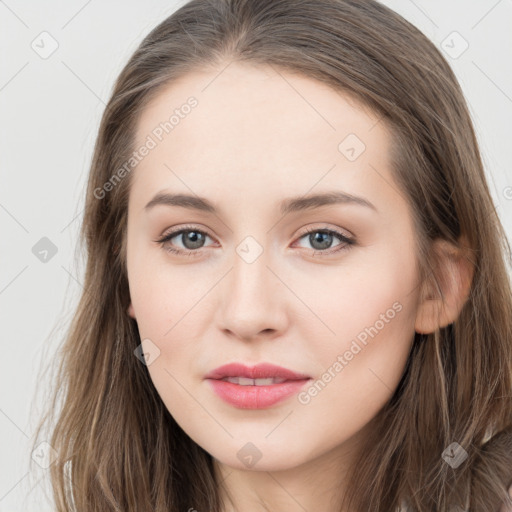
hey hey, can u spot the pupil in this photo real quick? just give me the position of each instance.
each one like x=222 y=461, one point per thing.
x=194 y=237
x=326 y=241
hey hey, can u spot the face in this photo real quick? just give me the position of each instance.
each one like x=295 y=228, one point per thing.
x=262 y=274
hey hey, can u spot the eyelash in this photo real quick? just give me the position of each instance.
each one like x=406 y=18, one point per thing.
x=345 y=245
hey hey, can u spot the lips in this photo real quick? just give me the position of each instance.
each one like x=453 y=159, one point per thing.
x=256 y=387
x=260 y=371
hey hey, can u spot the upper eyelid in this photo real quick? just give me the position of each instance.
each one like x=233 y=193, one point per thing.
x=341 y=231
x=344 y=235
x=180 y=230
x=174 y=232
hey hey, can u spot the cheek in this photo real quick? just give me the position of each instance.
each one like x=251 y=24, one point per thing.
x=173 y=310
x=373 y=324
x=162 y=296
x=374 y=299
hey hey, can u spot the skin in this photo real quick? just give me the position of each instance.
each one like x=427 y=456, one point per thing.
x=256 y=138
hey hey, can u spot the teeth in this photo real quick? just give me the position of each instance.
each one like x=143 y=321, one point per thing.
x=244 y=381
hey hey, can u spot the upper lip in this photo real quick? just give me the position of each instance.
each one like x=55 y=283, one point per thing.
x=260 y=371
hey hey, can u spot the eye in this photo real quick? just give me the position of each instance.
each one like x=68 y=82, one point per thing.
x=321 y=240
x=193 y=239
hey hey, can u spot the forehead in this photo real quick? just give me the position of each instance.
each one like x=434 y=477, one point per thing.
x=275 y=99
x=258 y=126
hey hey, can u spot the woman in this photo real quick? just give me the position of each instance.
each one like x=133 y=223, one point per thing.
x=296 y=295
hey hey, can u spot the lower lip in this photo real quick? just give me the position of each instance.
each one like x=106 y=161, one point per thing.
x=255 y=397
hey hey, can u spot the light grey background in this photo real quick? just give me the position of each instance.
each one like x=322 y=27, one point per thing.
x=50 y=111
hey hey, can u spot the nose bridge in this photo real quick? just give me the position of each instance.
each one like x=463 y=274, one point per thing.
x=250 y=272
x=251 y=298
x=250 y=275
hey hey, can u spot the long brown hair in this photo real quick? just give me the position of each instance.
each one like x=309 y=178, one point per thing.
x=120 y=449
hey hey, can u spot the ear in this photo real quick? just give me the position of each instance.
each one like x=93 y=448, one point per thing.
x=454 y=271
x=131 y=311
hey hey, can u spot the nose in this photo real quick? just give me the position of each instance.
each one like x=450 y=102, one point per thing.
x=253 y=301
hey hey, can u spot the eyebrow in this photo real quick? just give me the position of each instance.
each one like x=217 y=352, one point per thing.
x=292 y=204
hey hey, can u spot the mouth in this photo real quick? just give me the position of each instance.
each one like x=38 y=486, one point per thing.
x=256 y=387
x=255 y=373
x=244 y=381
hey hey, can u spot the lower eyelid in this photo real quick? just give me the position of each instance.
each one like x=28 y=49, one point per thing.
x=343 y=245
x=345 y=241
